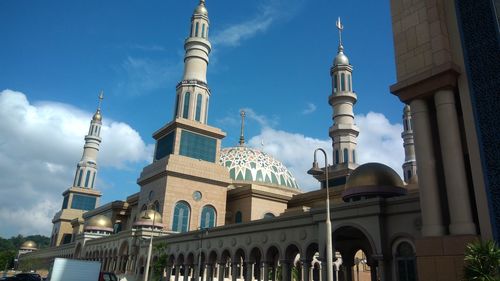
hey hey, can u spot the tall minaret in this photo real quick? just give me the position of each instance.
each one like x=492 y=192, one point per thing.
x=86 y=169
x=410 y=164
x=82 y=196
x=193 y=92
x=343 y=131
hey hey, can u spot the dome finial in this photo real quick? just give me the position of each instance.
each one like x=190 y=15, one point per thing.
x=101 y=97
x=202 y=2
x=97 y=115
x=340 y=27
x=242 y=135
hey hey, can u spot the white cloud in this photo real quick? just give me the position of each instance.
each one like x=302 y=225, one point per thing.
x=40 y=145
x=311 y=107
x=378 y=141
x=270 y=12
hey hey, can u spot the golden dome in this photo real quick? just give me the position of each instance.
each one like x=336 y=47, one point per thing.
x=97 y=116
x=29 y=245
x=145 y=218
x=373 y=180
x=200 y=9
x=99 y=223
x=373 y=174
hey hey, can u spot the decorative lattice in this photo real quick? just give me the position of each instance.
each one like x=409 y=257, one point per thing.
x=249 y=164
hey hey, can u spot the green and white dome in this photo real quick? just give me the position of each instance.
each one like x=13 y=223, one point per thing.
x=252 y=165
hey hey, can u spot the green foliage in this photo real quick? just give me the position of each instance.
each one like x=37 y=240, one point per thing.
x=482 y=261
x=161 y=262
x=9 y=247
x=296 y=272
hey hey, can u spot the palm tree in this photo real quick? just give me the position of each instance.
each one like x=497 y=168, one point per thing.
x=482 y=261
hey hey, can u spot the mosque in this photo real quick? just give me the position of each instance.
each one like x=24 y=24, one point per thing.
x=237 y=213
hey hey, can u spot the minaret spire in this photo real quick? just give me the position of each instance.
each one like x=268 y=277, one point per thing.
x=343 y=132
x=340 y=27
x=242 y=135
x=410 y=164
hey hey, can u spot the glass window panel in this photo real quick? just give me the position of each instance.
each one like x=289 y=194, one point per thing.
x=238 y=217
x=335 y=83
x=83 y=202
x=203 y=30
x=165 y=146
x=346 y=155
x=80 y=175
x=65 y=202
x=181 y=217
x=198 y=107
x=342 y=82
x=349 y=84
x=197 y=146
x=196 y=30
x=93 y=180
x=87 y=178
x=207 y=217
x=176 y=110
x=185 y=110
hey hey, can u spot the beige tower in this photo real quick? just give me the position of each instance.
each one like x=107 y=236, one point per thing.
x=185 y=183
x=343 y=132
x=82 y=196
x=410 y=164
x=192 y=91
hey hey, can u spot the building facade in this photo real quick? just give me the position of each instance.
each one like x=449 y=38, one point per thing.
x=237 y=213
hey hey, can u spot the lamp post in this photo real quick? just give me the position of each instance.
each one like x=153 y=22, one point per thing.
x=148 y=260
x=315 y=170
x=199 y=254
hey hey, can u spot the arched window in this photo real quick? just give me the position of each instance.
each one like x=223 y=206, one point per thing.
x=196 y=30
x=191 y=33
x=405 y=125
x=206 y=110
x=80 y=176
x=208 y=217
x=87 y=178
x=342 y=82
x=203 y=30
x=185 y=111
x=405 y=262
x=335 y=83
x=408 y=174
x=336 y=156
x=180 y=222
x=176 y=109
x=198 y=107
x=238 y=217
x=346 y=155
x=354 y=156
x=156 y=206
x=349 y=84
x=93 y=180
x=269 y=216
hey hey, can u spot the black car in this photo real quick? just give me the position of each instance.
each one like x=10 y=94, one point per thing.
x=24 y=277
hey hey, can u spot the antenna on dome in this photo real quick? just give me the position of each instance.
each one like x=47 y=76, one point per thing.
x=242 y=135
x=340 y=27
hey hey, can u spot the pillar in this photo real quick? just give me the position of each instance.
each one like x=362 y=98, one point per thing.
x=306 y=266
x=249 y=273
x=177 y=272
x=453 y=164
x=348 y=270
x=221 y=272
x=234 y=271
x=265 y=271
x=168 y=272
x=432 y=221
x=186 y=273
x=285 y=270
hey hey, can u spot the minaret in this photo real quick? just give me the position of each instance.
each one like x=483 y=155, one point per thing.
x=410 y=164
x=192 y=92
x=82 y=196
x=86 y=169
x=343 y=131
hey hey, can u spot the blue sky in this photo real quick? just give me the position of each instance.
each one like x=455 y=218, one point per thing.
x=271 y=57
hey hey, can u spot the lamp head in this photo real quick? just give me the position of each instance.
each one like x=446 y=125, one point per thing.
x=315 y=170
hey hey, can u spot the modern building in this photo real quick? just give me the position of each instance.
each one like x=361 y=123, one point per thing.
x=237 y=213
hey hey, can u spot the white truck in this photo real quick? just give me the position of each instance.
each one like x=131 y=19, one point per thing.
x=74 y=270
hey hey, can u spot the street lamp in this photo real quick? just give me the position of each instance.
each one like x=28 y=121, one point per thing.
x=148 y=260
x=315 y=170
x=199 y=254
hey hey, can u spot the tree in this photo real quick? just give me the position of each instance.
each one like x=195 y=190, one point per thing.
x=161 y=262
x=482 y=261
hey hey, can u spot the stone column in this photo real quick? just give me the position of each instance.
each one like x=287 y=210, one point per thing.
x=453 y=164
x=348 y=270
x=265 y=271
x=249 y=273
x=432 y=221
x=186 y=273
x=205 y=273
x=221 y=272
x=306 y=266
x=234 y=271
x=177 y=271
x=285 y=270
